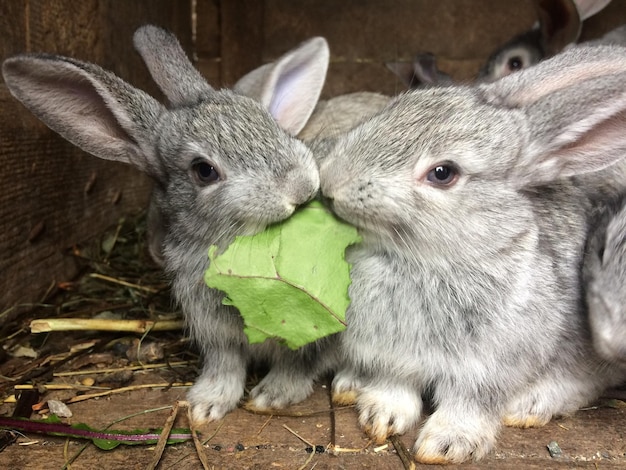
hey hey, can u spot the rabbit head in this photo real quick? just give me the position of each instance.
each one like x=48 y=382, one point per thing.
x=473 y=227
x=559 y=25
x=298 y=73
x=469 y=125
x=224 y=164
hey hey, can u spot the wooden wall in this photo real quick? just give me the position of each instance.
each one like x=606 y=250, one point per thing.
x=364 y=34
x=52 y=195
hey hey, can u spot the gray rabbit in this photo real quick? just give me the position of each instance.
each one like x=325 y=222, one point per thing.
x=560 y=24
x=222 y=167
x=604 y=275
x=466 y=289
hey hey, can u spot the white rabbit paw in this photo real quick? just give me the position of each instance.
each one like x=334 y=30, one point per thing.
x=211 y=398
x=454 y=439
x=278 y=390
x=388 y=410
x=526 y=412
x=547 y=398
x=521 y=420
x=345 y=388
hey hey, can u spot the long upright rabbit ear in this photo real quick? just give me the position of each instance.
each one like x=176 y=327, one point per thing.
x=575 y=106
x=560 y=24
x=90 y=107
x=170 y=67
x=290 y=87
x=588 y=8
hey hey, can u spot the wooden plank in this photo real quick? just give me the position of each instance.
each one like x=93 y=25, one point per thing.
x=364 y=34
x=14 y=28
x=54 y=195
x=208 y=45
x=591 y=439
x=243 y=33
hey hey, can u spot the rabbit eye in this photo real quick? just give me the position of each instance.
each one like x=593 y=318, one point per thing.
x=515 y=63
x=443 y=175
x=204 y=172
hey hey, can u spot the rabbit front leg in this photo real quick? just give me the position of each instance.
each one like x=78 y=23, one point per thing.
x=576 y=386
x=218 y=331
x=291 y=377
x=220 y=385
x=460 y=429
x=466 y=419
x=387 y=407
x=346 y=387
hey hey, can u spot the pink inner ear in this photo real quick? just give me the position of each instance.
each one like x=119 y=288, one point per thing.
x=600 y=147
x=569 y=76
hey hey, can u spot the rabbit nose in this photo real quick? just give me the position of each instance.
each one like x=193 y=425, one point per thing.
x=314 y=193
x=327 y=201
x=301 y=193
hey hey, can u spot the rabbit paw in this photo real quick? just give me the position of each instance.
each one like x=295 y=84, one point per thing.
x=211 y=398
x=388 y=410
x=454 y=439
x=345 y=388
x=547 y=398
x=527 y=412
x=278 y=390
x=520 y=420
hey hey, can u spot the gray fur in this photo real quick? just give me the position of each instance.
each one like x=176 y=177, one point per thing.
x=338 y=115
x=605 y=280
x=263 y=175
x=470 y=292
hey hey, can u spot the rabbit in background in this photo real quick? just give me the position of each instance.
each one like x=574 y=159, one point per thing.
x=559 y=26
x=604 y=276
x=466 y=288
x=223 y=165
x=422 y=72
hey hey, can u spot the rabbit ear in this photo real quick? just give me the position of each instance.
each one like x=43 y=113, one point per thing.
x=170 y=67
x=426 y=71
x=405 y=71
x=90 y=107
x=588 y=8
x=560 y=24
x=422 y=71
x=575 y=104
x=290 y=87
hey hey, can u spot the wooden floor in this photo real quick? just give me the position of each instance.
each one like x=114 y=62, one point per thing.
x=592 y=438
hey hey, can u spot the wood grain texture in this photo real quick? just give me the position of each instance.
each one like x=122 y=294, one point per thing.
x=592 y=439
x=54 y=195
x=43 y=206
x=208 y=40
x=243 y=32
x=364 y=34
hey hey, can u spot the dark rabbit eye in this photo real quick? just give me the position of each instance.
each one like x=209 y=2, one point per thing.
x=516 y=63
x=204 y=172
x=443 y=175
